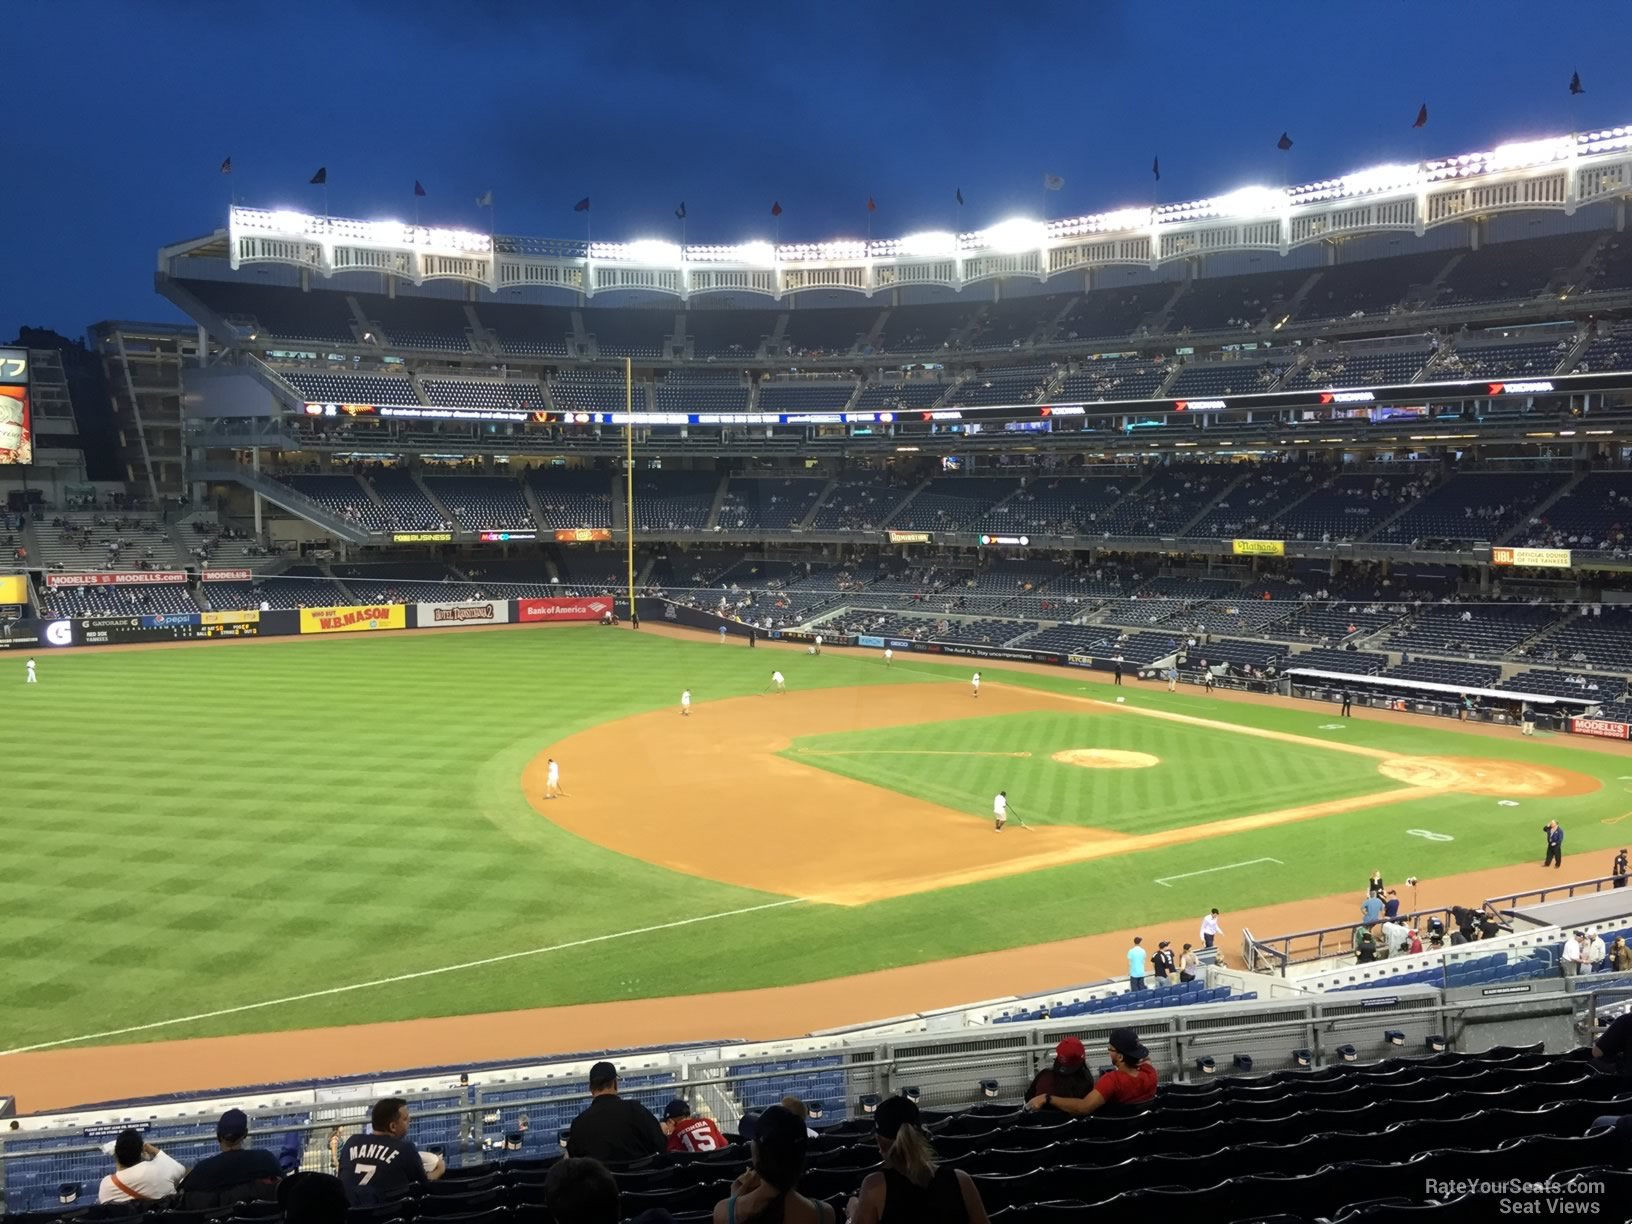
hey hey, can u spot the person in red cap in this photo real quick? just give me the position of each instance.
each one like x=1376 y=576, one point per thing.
x=1130 y=1081
x=1067 y=1079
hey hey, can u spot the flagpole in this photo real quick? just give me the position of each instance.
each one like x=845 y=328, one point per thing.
x=629 y=473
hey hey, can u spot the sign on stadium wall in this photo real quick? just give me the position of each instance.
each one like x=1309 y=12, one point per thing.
x=421 y=537
x=228 y=575
x=530 y=611
x=583 y=535
x=434 y=615
x=1537 y=558
x=1258 y=548
x=13 y=589
x=1604 y=728
x=129 y=578
x=908 y=537
x=359 y=619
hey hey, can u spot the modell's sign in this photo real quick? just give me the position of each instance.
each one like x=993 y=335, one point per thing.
x=228 y=575
x=130 y=578
x=1604 y=728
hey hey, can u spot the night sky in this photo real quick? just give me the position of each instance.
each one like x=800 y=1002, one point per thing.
x=120 y=112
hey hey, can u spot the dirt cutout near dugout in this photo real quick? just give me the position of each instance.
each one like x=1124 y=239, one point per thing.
x=1477 y=776
x=1105 y=758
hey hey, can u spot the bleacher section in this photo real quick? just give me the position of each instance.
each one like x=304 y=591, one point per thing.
x=1595 y=514
x=1489 y=630
x=790 y=395
x=634 y=332
x=1352 y=662
x=674 y=501
x=141 y=600
x=321 y=386
x=1472 y=506
x=88 y=542
x=1601 y=637
x=1236 y=303
x=298 y=586
x=1360 y=363
x=406 y=506
x=1369 y=288
x=406 y=582
x=857 y=505
x=1350 y=507
x=954 y=503
x=516 y=395
x=767 y=504
x=594 y=390
x=483 y=503
x=1113 y=379
x=1008 y=385
x=342 y=496
x=572 y=497
x=289 y=314
x=700 y=391
x=529 y=331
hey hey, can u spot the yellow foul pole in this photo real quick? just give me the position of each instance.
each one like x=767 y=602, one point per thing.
x=629 y=472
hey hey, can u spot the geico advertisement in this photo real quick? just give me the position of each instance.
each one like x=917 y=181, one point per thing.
x=354 y=620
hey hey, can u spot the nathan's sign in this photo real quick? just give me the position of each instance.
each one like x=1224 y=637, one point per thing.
x=1258 y=548
x=361 y=619
x=1536 y=558
x=1604 y=728
x=127 y=578
x=489 y=612
x=583 y=535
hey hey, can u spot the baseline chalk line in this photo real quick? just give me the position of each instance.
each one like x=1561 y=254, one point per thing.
x=402 y=977
x=901 y=752
x=1208 y=870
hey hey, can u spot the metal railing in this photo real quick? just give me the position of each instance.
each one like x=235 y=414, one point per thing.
x=1509 y=902
x=1276 y=953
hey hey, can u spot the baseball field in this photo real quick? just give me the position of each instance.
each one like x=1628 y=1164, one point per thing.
x=283 y=835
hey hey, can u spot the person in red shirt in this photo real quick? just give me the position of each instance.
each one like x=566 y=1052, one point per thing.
x=689 y=1134
x=1130 y=1081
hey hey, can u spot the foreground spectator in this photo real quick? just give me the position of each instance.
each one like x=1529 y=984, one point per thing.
x=141 y=1173
x=235 y=1174
x=766 y=1191
x=801 y=1111
x=582 y=1191
x=1130 y=1081
x=611 y=1129
x=313 y=1198
x=913 y=1188
x=383 y=1165
x=1068 y=1077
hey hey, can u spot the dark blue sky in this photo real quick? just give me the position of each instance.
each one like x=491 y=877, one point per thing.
x=120 y=113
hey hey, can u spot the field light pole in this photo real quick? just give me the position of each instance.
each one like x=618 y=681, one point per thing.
x=629 y=473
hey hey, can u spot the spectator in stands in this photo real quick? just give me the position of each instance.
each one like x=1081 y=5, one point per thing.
x=1162 y=963
x=612 y=1129
x=1210 y=928
x=1130 y=1081
x=1391 y=905
x=1365 y=945
x=1613 y=1050
x=383 y=1164
x=688 y=1134
x=1555 y=844
x=141 y=1173
x=767 y=1191
x=1620 y=956
x=1374 y=886
x=1595 y=953
x=314 y=1198
x=799 y=1109
x=1569 y=960
x=581 y=1191
x=913 y=1188
x=1066 y=1079
x=1619 y=870
x=1371 y=909
x=236 y=1173
x=1136 y=964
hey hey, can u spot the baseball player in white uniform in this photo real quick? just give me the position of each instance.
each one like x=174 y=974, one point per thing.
x=32 y=678
x=888 y=655
x=685 y=704
x=552 y=779
x=781 y=684
x=974 y=686
x=1000 y=811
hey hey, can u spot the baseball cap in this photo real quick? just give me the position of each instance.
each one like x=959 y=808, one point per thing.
x=676 y=1109
x=1126 y=1043
x=601 y=1074
x=1166 y=943
x=234 y=1124
x=1069 y=1053
x=897 y=1111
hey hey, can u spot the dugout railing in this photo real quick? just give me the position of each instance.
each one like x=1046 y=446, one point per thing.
x=59 y=1167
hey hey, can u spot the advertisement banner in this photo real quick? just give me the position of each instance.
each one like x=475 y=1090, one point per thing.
x=248 y=617
x=19 y=634
x=1079 y=660
x=1258 y=548
x=908 y=537
x=361 y=619
x=13 y=589
x=422 y=537
x=593 y=608
x=1537 y=558
x=1604 y=728
x=16 y=426
x=505 y=537
x=164 y=627
x=128 y=578
x=433 y=615
x=583 y=535
x=867 y=639
x=228 y=575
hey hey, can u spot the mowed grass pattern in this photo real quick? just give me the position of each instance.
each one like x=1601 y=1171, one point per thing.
x=1205 y=774
x=207 y=828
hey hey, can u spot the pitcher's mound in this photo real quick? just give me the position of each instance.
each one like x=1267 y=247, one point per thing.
x=1106 y=758
x=1476 y=776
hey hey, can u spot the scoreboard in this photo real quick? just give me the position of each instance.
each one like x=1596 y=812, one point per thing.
x=180 y=627
x=16 y=413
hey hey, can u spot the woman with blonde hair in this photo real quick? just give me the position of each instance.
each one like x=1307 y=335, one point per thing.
x=913 y=1188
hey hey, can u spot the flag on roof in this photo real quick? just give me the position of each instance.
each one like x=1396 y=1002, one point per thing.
x=776 y=208
x=1156 y=168
x=871 y=207
x=1575 y=84
x=1052 y=182
x=226 y=166
x=960 y=195
x=1284 y=143
x=321 y=177
x=419 y=188
x=582 y=205
x=681 y=211
x=485 y=200
x=1422 y=116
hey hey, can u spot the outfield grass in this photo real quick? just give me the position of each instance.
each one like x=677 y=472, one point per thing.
x=203 y=829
